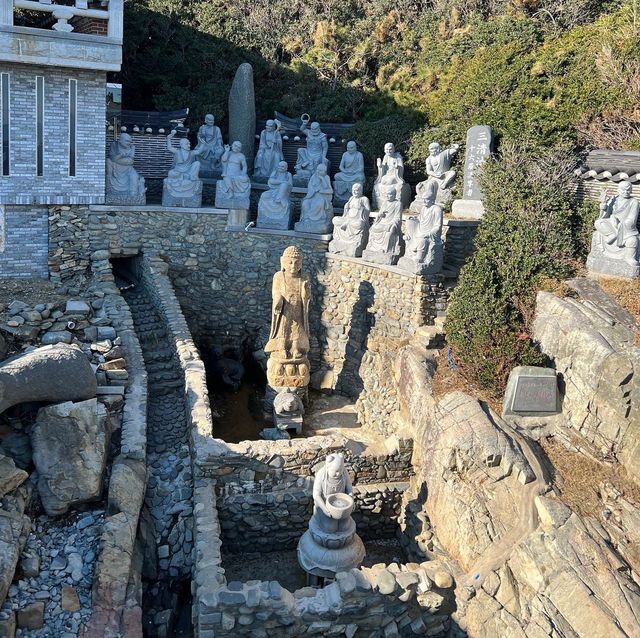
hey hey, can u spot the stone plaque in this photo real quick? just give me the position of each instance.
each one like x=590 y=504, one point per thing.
x=531 y=391
x=479 y=146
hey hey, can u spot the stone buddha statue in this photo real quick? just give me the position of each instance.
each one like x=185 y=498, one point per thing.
x=423 y=233
x=314 y=153
x=124 y=186
x=182 y=186
x=390 y=175
x=210 y=146
x=234 y=189
x=351 y=229
x=385 y=235
x=615 y=243
x=269 y=150
x=274 y=206
x=351 y=172
x=288 y=345
x=438 y=168
x=317 y=207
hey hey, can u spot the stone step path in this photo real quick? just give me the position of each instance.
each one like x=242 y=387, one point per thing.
x=170 y=481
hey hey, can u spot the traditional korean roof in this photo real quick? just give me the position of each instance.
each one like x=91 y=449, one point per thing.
x=615 y=166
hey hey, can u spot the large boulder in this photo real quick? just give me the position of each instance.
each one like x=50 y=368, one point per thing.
x=10 y=476
x=70 y=442
x=51 y=373
x=599 y=364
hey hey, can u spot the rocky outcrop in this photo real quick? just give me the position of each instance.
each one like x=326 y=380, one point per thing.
x=600 y=370
x=10 y=476
x=53 y=373
x=70 y=442
x=530 y=566
x=14 y=530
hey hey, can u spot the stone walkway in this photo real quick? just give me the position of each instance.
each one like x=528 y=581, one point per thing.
x=170 y=483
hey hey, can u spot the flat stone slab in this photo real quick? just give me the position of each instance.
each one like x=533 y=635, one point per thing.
x=531 y=391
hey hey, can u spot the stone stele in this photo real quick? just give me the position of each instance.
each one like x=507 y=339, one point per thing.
x=242 y=111
x=478 y=148
x=288 y=345
x=331 y=544
x=531 y=391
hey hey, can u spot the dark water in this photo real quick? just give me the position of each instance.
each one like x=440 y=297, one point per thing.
x=237 y=416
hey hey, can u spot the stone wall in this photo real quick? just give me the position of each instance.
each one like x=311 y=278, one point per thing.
x=459 y=237
x=23 y=241
x=264 y=489
x=55 y=186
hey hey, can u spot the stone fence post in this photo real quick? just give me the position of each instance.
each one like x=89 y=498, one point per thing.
x=6 y=12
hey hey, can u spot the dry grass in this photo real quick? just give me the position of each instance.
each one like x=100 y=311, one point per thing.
x=578 y=477
x=626 y=292
x=448 y=379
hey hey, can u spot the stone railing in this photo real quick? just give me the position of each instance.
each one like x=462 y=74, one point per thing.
x=110 y=15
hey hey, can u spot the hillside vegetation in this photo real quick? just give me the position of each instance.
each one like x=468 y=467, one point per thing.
x=547 y=71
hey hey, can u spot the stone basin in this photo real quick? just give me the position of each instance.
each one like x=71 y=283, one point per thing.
x=340 y=505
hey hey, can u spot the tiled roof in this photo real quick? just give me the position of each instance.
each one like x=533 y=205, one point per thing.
x=615 y=166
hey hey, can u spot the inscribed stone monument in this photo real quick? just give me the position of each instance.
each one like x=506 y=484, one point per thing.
x=390 y=176
x=269 y=151
x=210 y=147
x=478 y=148
x=531 y=391
x=234 y=189
x=288 y=345
x=385 y=235
x=351 y=172
x=274 y=206
x=351 y=229
x=313 y=154
x=124 y=185
x=242 y=111
x=182 y=186
x=331 y=544
x=423 y=233
x=317 y=208
x=615 y=242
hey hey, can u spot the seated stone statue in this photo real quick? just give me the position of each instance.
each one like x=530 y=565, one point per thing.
x=182 y=186
x=351 y=230
x=234 y=189
x=438 y=166
x=423 y=233
x=124 y=184
x=269 y=150
x=209 y=147
x=317 y=208
x=390 y=175
x=274 y=207
x=314 y=153
x=385 y=235
x=351 y=172
x=615 y=243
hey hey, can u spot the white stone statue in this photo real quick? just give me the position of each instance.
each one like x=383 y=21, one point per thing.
x=274 y=206
x=234 y=189
x=124 y=185
x=269 y=150
x=423 y=233
x=615 y=243
x=351 y=230
x=331 y=544
x=317 y=207
x=351 y=172
x=385 y=235
x=438 y=167
x=210 y=146
x=315 y=152
x=390 y=175
x=182 y=186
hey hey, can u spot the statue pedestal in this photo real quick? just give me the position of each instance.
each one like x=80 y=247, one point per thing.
x=421 y=268
x=237 y=219
x=379 y=257
x=323 y=553
x=124 y=198
x=349 y=249
x=601 y=263
x=194 y=200
x=238 y=202
x=467 y=209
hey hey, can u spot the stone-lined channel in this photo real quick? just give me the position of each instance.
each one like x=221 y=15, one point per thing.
x=166 y=523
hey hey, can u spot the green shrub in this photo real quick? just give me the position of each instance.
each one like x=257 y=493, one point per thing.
x=526 y=236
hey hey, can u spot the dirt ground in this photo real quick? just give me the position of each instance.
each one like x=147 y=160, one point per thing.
x=29 y=291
